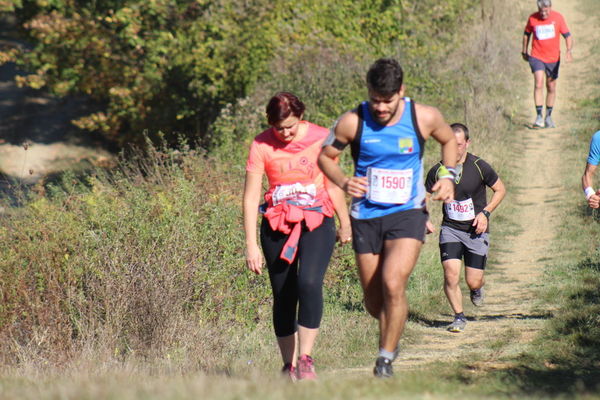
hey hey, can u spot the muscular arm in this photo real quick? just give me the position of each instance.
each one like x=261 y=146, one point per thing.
x=499 y=192
x=431 y=123
x=252 y=189
x=481 y=222
x=344 y=132
x=588 y=174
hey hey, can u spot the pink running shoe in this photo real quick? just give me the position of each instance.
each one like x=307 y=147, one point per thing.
x=289 y=371
x=306 y=368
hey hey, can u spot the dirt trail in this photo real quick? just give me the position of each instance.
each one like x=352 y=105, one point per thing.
x=37 y=138
x=510 y=312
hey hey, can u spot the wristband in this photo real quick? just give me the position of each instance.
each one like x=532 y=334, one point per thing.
x=486 y=213
x=446 y=172
x=588 y=192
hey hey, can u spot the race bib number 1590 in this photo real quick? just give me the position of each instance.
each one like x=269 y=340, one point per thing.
x=389 y=185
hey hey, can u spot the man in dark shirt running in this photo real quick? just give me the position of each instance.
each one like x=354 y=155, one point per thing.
x=465 y=226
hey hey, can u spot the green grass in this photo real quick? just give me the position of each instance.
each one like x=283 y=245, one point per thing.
x=133 y=285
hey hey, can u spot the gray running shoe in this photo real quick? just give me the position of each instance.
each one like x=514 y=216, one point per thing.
x=539 y=122
x=477 y=297
x=549 y=123
x=383 y=368
x=458 y=325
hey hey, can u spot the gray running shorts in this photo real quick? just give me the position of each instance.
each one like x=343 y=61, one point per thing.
x=456 y=244
x=551 y=69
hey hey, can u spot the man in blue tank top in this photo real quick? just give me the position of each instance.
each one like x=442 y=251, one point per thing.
x=592 y=196
x=387 y=135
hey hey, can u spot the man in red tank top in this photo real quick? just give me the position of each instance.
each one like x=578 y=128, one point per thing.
x=544 y=59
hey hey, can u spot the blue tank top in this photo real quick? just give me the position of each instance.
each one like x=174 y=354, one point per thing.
x=391 y=157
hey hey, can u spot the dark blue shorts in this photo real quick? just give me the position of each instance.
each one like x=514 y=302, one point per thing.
x=551 y=69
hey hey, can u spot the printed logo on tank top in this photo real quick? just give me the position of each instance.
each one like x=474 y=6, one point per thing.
x=544 y=32
x=405 y=145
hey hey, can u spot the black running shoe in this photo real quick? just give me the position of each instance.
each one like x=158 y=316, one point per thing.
x=383 y=368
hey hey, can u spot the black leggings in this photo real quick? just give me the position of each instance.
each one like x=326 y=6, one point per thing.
x=300 y=283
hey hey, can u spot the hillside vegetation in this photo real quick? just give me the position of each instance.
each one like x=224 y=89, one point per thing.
x=131 y=283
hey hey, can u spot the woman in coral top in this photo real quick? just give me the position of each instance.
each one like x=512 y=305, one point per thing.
x=298 y=231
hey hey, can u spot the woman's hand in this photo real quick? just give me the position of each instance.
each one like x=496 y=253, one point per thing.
x=344 y=234
x=254 y=259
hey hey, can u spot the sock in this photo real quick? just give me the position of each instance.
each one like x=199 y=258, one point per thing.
x=387 y=354
x=538 y=110
x=460 y=315
x=548 y=111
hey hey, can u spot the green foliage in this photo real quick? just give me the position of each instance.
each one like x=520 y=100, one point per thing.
x=172 y=66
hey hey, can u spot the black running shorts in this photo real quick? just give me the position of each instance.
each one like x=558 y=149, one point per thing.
x=368 y=235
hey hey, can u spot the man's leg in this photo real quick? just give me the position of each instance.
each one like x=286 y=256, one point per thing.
x=399 y=259
x=538 y=88
x=550 y=97
x=369 y=272
x=474 y=278
x=451 y=284
x=550 y=91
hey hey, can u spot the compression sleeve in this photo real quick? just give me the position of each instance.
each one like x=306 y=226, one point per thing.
x=331 y=140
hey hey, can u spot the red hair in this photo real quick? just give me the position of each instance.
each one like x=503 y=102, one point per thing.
x=282 y=105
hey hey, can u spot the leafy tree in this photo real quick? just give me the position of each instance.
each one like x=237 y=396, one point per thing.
x=172 y=65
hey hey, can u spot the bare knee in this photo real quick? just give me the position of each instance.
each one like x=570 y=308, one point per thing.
x=394 y=291
x=451 y=274
x=475 y=281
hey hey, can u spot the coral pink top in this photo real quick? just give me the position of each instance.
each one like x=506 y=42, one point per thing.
x=286 y=164
x=296 y=184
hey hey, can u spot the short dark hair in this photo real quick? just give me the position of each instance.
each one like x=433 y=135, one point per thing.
x=457 y=127
x=385 y=77
x=282 y=105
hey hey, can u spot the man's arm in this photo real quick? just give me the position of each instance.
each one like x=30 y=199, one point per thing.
x=433 y=124
x=481 y=220
x=592 y=196
x=569 y=42
x=343 y=133
x=524 y=54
